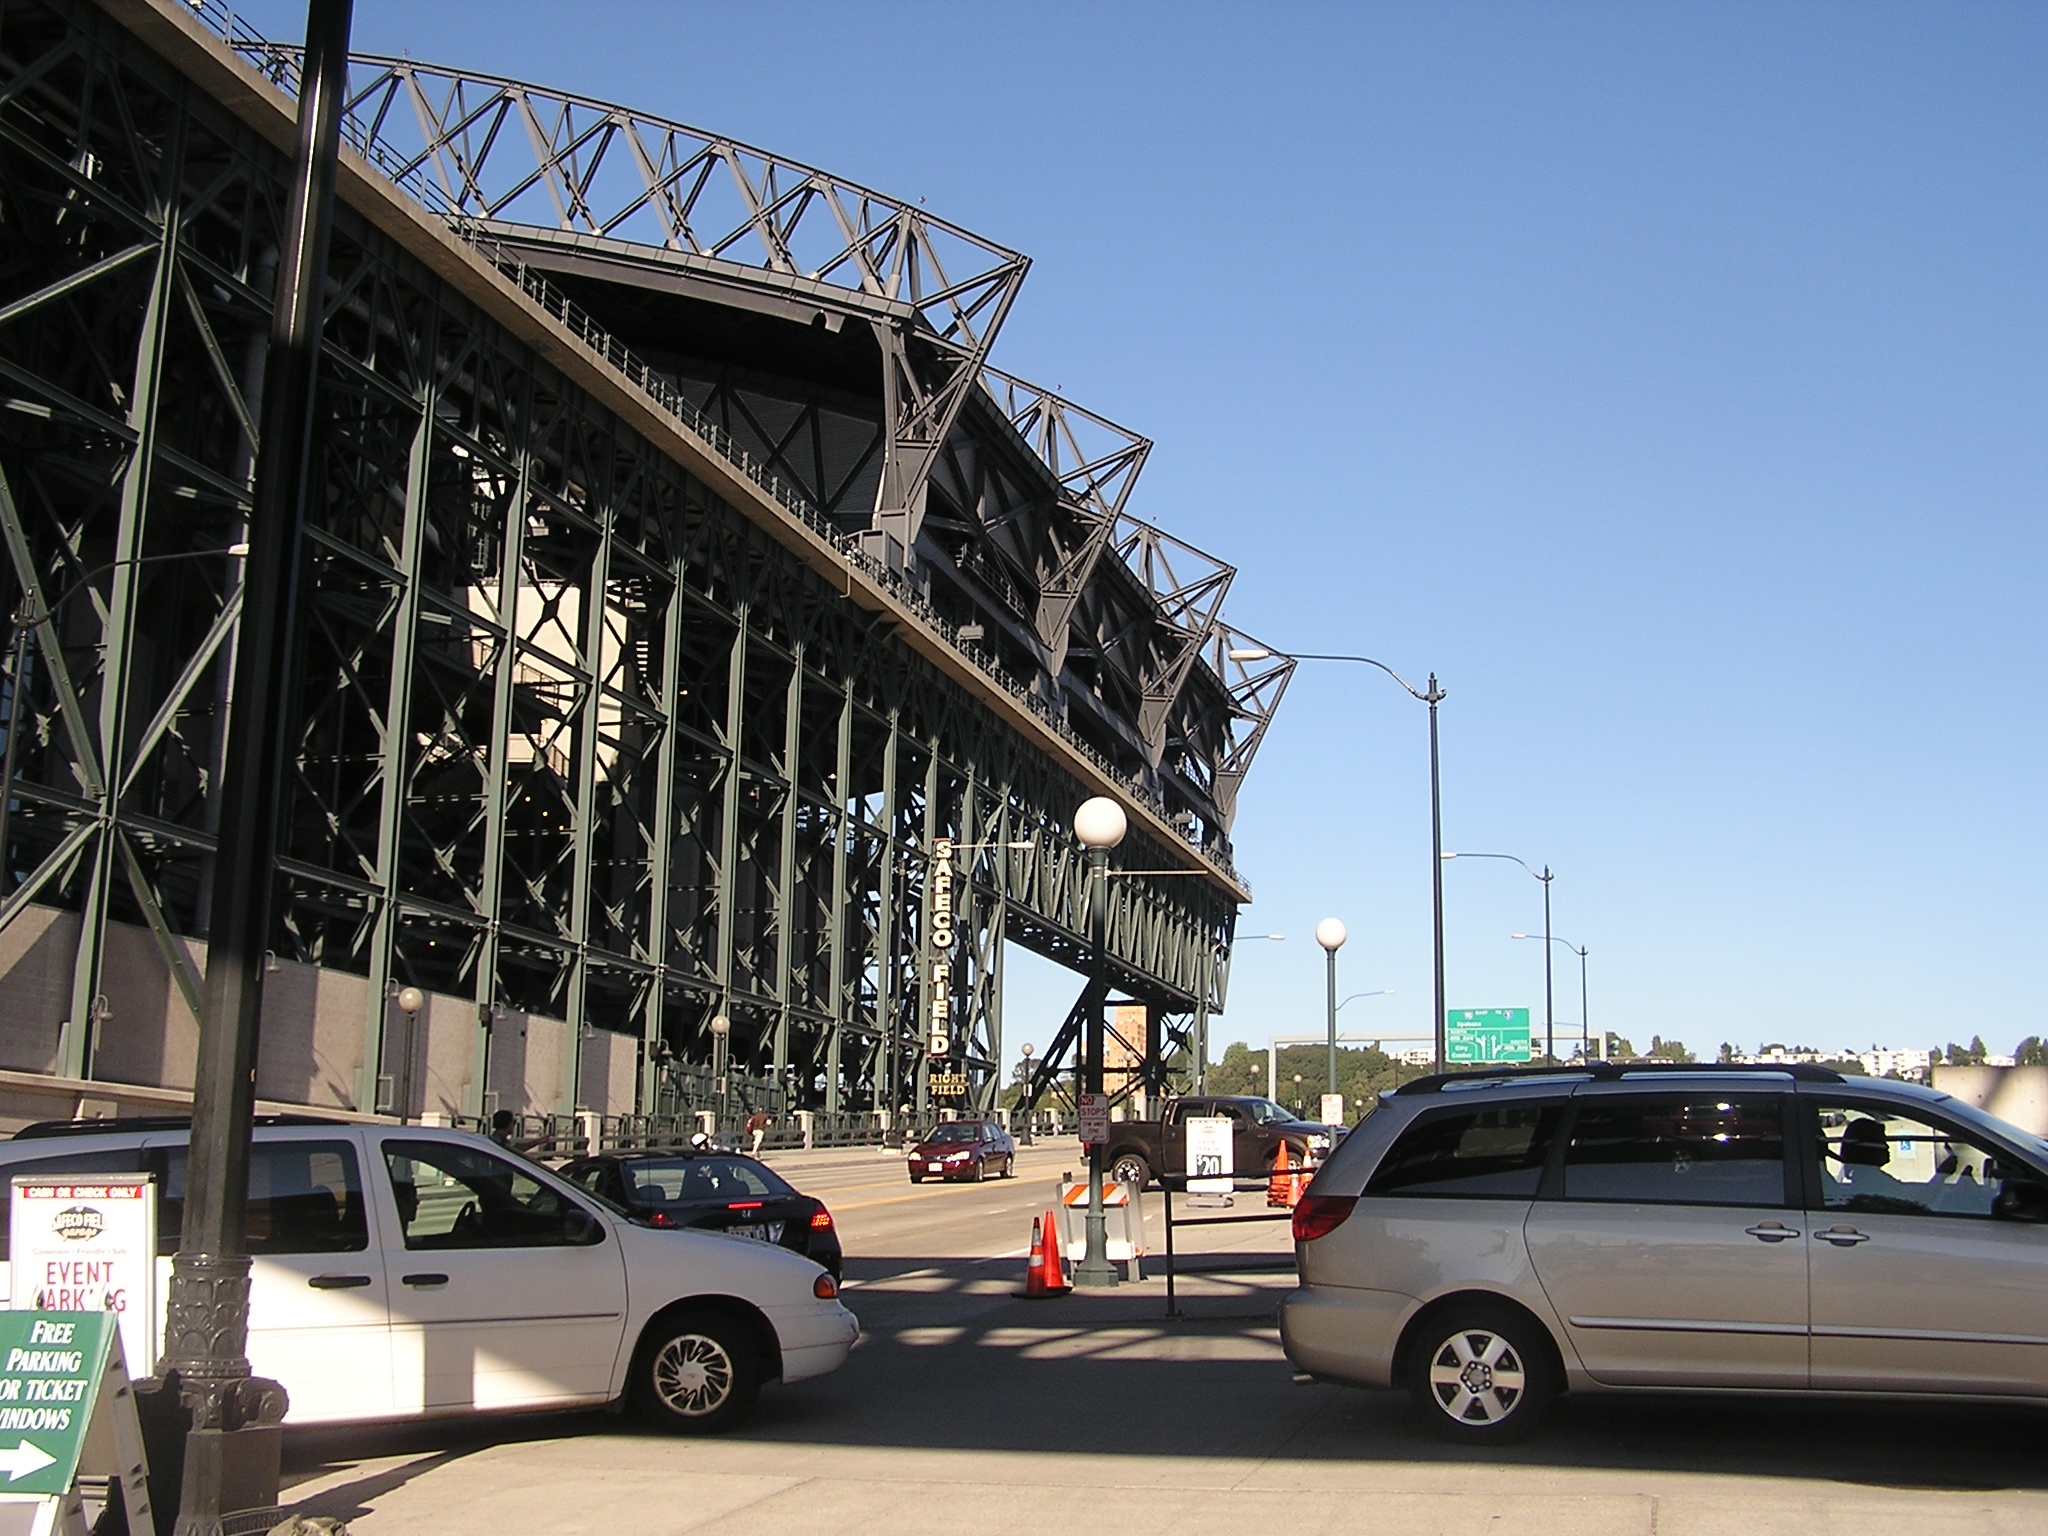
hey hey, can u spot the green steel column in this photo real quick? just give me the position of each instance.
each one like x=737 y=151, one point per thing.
x=785 y=871
x=75 y=1040
x=843 y=833
x=653 y=1020
x=491 y=885
x=887 y=1079
x=582 y=881
x=397 y=734
x=729 y=835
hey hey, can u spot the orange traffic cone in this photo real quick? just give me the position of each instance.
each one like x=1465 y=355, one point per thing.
x=1283 y=1189
x=1046 y=1272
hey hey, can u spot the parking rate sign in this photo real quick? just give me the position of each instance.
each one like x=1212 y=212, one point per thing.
x=1474 y=1035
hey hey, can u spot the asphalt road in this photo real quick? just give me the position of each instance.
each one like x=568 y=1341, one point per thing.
x=966 y=1406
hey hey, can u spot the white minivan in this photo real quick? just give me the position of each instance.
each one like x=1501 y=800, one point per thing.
x=407 y=1270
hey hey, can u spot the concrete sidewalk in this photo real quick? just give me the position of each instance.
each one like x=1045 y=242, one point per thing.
x=965 y=1406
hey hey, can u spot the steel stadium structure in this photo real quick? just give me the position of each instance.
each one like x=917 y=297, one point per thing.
x=680 y=577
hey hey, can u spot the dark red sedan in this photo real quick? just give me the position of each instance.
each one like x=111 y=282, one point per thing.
x=964 y=1149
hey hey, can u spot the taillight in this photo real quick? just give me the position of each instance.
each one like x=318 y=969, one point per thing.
x=821 y=1220
x=661 y=1219
x=1319 y=1215
x=824 y=1288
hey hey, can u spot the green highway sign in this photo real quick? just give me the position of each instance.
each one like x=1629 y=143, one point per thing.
x=1473 y=1035
x=50 y=1367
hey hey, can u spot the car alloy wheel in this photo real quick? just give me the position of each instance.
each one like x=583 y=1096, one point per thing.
x=1131 y=1171
x=697 y=1374
x=1479 y=1378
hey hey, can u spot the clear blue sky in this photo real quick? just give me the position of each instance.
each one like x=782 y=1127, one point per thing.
x=1669 y=379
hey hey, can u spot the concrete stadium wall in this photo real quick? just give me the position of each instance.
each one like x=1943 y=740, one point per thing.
x=2017 y=1094
x=311 y=1051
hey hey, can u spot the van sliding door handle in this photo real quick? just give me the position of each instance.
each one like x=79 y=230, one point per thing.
x=1771 y=1231
x=425 y=1279
x=338 y=1282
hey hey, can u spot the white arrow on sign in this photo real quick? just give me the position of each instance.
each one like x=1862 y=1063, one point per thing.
x=24 y=1459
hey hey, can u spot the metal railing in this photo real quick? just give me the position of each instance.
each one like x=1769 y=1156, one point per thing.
x=279 y=64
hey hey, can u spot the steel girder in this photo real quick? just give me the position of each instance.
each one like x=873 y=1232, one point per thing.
x=577 y=738
x=588 y=189
x=527 y=162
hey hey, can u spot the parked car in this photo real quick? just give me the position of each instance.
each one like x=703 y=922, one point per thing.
x=405 y=1270
x=711 y=1192
x=1140 y=1151
x=1490 y=1240
x=964 y=1149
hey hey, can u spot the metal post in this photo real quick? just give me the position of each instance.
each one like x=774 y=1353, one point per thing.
x=1584 y=1023
x=1436 y=826
x=207 y=1322
x=1332 y=956
x=1549 y=1013
x=1094 y=1268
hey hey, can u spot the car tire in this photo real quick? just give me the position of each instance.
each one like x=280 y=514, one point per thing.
x=1010 y=1166
x=1480 y=1375
x=1131 y=1170
x=697 y=1373
x=980 y=1169
x=917 y=1178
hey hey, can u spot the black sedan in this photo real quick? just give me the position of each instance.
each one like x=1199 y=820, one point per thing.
x=711 y=1191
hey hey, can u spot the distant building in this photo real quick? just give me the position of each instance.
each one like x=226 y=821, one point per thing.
x=1775 y=1055
x=1416 y=1056
x=1911 y=1065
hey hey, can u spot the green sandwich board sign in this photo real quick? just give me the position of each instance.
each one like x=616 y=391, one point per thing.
x=1475 y=1035
x=51 y=1364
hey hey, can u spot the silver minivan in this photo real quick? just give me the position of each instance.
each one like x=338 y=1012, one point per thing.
x=1489 y=1240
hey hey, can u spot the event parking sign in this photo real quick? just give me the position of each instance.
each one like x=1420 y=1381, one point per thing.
x=88 y=1246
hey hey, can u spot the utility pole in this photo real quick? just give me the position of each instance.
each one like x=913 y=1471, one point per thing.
x=206 y=1330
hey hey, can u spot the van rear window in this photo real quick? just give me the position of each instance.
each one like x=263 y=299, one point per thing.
x=1493 y=1154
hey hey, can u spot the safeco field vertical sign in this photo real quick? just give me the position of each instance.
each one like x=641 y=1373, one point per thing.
x=88 y=1247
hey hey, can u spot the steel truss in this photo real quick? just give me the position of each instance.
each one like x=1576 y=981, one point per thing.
x=578 y=738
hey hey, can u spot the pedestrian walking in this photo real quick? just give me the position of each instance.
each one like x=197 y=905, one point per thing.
x=757 y=1126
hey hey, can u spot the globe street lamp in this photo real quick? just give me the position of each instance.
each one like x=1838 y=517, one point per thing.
x=1585 y=1037
x=1099 y=825
x=1549 y=1030
x=1432 y=696
x=1331 y=934
x=721 y=1030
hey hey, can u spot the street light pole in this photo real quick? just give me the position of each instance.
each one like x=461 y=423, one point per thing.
x=1585 y=1031
x=1099 y=825
x=206 y=1324
x=1434 y=695
x=1331 y=934
x=1549 y=1029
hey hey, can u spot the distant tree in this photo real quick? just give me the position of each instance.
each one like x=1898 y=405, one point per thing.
x=1971 y=1055
x=2031 y=1052
x=1727 y=1052
x=1624 y=1048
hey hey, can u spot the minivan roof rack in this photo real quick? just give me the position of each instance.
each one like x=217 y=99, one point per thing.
x=1612 y=1071
x=116 y=1124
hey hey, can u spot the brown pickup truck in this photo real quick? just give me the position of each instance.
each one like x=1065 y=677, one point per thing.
x=1140 y=1151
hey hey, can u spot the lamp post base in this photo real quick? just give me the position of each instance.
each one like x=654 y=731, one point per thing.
x=1095 y=1270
